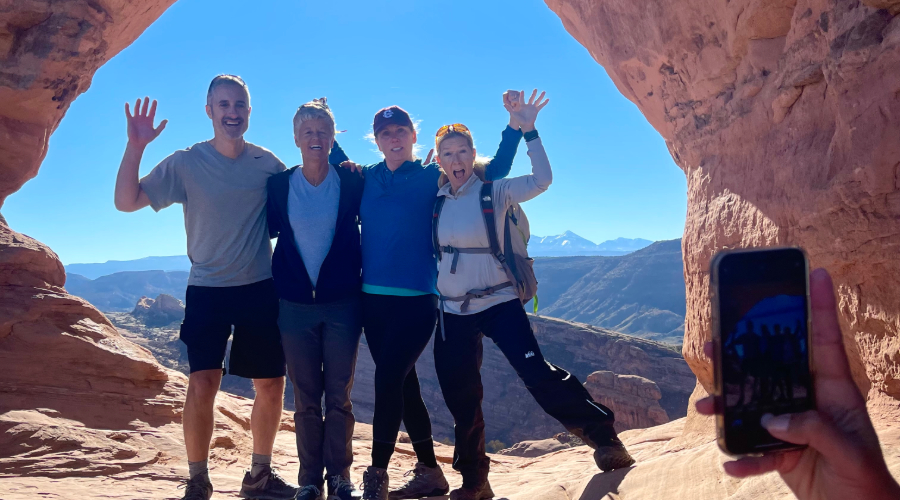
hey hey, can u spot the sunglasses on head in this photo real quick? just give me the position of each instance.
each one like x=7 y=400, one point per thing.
x=455 y=127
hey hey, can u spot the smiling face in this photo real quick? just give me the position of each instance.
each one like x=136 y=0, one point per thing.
x=314 y=137
x=457 y=159
x=396 y=143
x=228 y=107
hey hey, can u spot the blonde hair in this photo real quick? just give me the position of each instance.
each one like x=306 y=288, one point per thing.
x=313 y=110
x=480 y=161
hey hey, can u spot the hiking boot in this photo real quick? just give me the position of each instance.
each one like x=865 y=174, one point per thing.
x=612 y=457
x=267 y=486
x=425 y=482
x=310 y=492
x=340 y=488
x=198 y=488
x=473 y=493
x=375 y=484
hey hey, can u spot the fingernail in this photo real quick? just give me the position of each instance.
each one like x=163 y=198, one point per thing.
x=778 y=423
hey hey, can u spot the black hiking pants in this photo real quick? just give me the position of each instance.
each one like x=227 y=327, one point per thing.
x=458 y=359
x=397 y=331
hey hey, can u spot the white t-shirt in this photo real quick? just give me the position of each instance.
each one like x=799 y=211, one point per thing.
x=312 y=212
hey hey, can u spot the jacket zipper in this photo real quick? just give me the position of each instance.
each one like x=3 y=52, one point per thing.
x=314 y=294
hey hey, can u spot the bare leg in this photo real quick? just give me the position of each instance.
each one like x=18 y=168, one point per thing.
x=198 y=415
x=266 y=416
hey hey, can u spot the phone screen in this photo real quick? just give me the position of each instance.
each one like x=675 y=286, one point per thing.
x=763 y=343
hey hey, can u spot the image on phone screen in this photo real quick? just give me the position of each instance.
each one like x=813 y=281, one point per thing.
x=763 y=348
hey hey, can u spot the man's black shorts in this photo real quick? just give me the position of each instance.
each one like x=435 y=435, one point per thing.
x=209 y=314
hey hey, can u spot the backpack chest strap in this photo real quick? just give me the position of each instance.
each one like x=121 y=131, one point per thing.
x=456 y=251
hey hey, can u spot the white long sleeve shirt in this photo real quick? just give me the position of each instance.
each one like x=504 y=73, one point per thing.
x=461 y=225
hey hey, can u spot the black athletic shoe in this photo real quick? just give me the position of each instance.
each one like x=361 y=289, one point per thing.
x=612 y=457
x=310 y=492
x=340 y=488
x=198 y=488
x=267 y=486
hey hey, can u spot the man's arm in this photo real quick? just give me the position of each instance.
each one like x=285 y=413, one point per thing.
x=129 y=196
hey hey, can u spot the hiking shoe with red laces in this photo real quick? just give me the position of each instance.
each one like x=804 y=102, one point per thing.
x=198 y=488
x=483 y=492
x=267 y=486
x=612 y=457
x=425 y=482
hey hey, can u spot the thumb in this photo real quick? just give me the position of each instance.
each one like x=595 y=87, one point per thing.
x=809 y=428
x=158 y=130
x=428 y=158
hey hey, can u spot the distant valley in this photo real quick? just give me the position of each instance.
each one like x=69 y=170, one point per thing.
x=570 y=244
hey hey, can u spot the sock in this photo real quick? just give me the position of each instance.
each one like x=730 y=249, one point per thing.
x=195 y=468
x=381 y=454
x=425 y=452
x=261 y=463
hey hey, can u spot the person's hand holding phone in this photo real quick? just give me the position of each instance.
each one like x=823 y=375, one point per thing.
x=512 y=101
x=843 y=458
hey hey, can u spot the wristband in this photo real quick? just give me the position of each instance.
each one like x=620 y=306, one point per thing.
x=530 y=136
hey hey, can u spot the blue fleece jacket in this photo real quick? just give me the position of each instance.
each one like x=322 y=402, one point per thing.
x=396 y=213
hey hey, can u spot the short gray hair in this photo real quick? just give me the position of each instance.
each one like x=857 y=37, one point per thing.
x=226 y=79
x=314 y=110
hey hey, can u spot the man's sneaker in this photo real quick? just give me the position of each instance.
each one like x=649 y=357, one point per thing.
x=267 y=486
x=340 y=488
x=425 y=482
x=469 y=493
x=612 y=457
x=375 y=484
x=310 y=492
x=198 y=488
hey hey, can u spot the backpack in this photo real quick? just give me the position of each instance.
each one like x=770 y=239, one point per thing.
x=516 y=263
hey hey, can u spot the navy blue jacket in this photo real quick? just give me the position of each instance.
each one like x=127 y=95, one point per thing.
x=341 y=272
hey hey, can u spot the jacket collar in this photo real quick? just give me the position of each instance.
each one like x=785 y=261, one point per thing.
x=465 y=188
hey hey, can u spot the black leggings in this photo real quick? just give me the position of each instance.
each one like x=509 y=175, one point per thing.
x=398 y=330
x=458 y=363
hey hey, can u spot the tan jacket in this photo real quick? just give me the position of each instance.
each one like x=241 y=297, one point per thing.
x=461 y=225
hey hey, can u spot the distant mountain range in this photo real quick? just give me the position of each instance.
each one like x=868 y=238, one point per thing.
x=93 y=271
x=641 y=293
x=570 y=244
x=566 y=244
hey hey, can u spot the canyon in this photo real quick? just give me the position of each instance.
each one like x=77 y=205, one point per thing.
x=783 y=114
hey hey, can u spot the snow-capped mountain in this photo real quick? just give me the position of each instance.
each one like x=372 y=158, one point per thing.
x=569 y=243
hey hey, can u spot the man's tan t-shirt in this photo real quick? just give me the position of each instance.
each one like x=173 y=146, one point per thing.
x=224 y=204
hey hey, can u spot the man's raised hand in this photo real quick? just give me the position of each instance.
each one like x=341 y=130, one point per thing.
x=140 y=125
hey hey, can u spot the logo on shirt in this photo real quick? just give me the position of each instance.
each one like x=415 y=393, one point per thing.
x=486 y=198
x=529 y=354
x=388 y=113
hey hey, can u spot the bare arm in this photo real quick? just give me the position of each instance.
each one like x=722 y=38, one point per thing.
x=129 y=196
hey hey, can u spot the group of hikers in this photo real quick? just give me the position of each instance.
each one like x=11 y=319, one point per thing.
x=400 y=250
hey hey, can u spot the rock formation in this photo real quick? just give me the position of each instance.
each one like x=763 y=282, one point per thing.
x=784 y=116
x=163 y=310
x=634 y=399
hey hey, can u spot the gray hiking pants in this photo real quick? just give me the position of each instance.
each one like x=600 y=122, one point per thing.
x=321 y=342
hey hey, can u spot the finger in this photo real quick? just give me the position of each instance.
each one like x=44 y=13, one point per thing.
x=128 y=111
x=543 y=104
x=829 y=356
x=162 y=125
x=811 y=429
x=531 y=99
x=152 y=113
x=146 y=106
x=706 y=406
x=428 y=158
x=754 y=466
x=708 y=348
x=137 y=107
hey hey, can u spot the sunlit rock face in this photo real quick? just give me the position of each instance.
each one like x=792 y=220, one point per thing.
x=49 y=52
x=785 y=117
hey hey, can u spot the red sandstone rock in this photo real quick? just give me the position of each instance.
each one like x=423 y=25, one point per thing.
x=634 y=399
x=163 y=310
x=785 y=117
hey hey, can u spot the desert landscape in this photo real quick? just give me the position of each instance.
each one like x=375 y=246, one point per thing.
x=784 y=116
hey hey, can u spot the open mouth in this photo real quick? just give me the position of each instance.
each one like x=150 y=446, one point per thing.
x=459 y=174
x=315 y=148
x=397 y=149
x=232 y=123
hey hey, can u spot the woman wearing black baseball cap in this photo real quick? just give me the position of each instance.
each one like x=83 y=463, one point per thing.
x=399 y=292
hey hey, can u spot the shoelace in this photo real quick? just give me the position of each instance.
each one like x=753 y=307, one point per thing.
x=371 y=485
x=416 y=477
x=341 y=483
x=310 y=488
x=195 y=493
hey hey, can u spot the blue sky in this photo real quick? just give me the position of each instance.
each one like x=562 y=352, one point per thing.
x=445 y=63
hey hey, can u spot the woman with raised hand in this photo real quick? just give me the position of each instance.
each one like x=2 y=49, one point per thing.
x=399 y=297
x=478 y=298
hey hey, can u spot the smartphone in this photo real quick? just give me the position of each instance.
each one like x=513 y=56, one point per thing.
x=513 y=95
x=761 y=334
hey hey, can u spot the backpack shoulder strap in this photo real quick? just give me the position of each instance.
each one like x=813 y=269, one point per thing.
x=487 y=209
x=438 y=205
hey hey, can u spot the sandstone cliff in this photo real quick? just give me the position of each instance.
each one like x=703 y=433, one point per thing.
x=785 y=117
